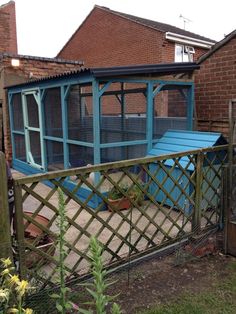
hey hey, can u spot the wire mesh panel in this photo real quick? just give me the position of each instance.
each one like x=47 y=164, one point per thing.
x=17 y=112
x=122 y=208
x=53 y=112
x=18 y=126
x=123 y=152
x=32 y=111
x=55 y=155
x=35 y=146
x=170 y=112
x=123 y=116
x=177 y=103
x=79 y=114
x=80 y=155
x=19 y=146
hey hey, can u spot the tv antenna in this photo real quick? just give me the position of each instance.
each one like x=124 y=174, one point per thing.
x=185 y=20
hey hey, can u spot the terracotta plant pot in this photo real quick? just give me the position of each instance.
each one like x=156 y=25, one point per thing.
x=46 y=243
x=119 y=204
x=33 y=230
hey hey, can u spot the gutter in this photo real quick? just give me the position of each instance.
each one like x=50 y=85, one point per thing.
x=188 y=40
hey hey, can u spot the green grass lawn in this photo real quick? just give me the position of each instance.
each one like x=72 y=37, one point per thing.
x=220 y=299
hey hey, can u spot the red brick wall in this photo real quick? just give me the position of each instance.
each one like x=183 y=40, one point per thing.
x=106 y=39
x=32 y=68
x=215 y=85
x=8 y=36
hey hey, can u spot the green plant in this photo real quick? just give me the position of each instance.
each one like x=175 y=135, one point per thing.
x=12 y=290
x=133 y=192
x=137 y=194
x=62 y=304
x=99 y=285
x=117 y=193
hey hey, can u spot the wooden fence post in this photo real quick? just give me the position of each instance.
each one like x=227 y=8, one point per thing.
x=19 y=225
x=196 y=223
x=5 y=228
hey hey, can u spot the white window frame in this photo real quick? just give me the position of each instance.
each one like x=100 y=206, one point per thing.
x=184 y=53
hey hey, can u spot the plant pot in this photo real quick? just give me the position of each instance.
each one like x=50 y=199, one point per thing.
x=119 y=204
x=33 y=230
x=46 y=243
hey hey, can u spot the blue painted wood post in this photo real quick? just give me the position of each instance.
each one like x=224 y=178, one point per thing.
x=190 y=106
x=64 y=93
x=123 y=111
x=43 y=127
x=38 y=99
x=10 y=97
x=96 y=133
x=96 y=122
x=149 y=120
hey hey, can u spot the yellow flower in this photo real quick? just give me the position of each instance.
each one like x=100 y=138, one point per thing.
x=6 y=262
x=14 y=280
x=6 y=271
x=22 y=286
x=4 y=295
x=12 y=310
x=28 y=311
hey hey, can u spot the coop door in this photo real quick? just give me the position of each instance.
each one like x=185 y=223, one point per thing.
x=33 y=129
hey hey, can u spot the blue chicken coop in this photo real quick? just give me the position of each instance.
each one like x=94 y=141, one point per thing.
x=175 y=141
x=97 y=115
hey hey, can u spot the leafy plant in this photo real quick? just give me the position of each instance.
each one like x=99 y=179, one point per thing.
x=12 y=290
x=133 y=192
x=137 y=194
x=99 y=285
x=115 y=194
x=62 y=304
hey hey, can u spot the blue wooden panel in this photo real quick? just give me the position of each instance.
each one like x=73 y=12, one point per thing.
x=168 y=186
x=179 y=141
x=174 y=141
x=82 y=193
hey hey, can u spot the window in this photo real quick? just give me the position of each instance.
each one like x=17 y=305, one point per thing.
x=184 y=53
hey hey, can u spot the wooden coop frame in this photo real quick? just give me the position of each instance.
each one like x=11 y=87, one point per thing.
x=153 y=79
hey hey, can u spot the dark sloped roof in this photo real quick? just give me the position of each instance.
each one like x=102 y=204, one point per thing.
x=146 y=69
x=157 y=25
x=217 y=46
x=56 y=60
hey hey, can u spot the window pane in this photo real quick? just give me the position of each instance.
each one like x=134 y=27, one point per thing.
x=178 y=53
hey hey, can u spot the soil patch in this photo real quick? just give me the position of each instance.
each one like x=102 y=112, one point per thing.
x=158 y=281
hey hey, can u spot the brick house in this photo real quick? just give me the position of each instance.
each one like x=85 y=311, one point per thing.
x=110 y=38
x=16 y=68
x=215 y=85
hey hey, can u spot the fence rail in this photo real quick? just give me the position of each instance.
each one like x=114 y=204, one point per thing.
x=170 y=198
